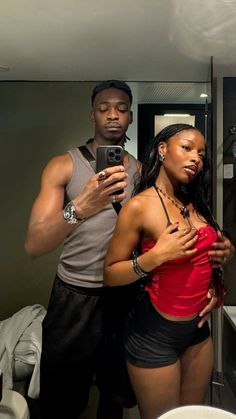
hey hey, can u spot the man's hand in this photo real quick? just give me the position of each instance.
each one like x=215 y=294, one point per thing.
x=222 y=251
x=100 y=191
x=206 y=312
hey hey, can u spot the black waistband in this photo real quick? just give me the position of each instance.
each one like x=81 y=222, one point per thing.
x=119 y=291
x=82 y=290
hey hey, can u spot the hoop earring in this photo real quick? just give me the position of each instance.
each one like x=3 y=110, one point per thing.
x=161 y=157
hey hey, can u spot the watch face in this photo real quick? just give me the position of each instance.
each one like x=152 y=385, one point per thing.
x=70 y=214
x=68 y=211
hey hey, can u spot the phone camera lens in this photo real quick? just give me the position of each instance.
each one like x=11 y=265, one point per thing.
x=111 y=154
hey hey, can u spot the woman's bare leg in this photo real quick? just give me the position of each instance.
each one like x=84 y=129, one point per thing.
x=196 y=369
x=157 y=389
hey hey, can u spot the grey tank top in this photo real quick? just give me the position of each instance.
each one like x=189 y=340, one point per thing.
x=84 y=250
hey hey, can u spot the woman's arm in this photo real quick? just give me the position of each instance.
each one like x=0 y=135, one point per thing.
x=117 y=266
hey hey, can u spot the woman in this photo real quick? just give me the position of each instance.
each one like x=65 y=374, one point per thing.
x=169 y=357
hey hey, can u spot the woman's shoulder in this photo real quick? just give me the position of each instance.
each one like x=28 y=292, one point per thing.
x=140 y=202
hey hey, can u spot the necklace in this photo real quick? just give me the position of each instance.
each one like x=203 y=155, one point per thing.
x=184 y=211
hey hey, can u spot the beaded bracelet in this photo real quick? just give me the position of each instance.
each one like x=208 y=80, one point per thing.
x=137 y=268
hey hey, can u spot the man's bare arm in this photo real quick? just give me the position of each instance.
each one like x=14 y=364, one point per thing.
x=47 y=228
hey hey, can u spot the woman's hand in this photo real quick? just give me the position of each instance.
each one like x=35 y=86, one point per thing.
x=174 y=243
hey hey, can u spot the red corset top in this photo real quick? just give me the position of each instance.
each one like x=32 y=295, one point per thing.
x=179 y=287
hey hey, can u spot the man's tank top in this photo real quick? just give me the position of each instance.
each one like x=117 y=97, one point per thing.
x=84 y=250
x=179 y=287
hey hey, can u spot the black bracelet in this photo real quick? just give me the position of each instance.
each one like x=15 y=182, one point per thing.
x=137 y=268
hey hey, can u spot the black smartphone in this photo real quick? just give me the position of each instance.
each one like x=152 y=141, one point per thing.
x=108 y=156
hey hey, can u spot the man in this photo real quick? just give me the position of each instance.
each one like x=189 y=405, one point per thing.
x=83 y=316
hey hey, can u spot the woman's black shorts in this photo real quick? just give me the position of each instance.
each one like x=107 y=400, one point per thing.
x=152 y=341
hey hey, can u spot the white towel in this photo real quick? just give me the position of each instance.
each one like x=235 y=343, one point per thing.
x=21 y=340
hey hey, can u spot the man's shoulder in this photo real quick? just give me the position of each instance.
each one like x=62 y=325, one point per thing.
x=60 y=159
x=134 y=161
x=59 y=164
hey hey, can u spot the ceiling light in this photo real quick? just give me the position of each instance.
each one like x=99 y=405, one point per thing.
x=4 y=68
x=203 y=95
x=177 y=114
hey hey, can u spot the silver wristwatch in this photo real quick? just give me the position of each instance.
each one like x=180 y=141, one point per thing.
x=69 y=214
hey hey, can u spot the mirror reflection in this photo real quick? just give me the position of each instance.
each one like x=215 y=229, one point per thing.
x=40 y=120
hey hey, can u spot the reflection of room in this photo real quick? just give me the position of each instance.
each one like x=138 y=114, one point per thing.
x=223 y=324
x=176 y=99
x=161 y=94
x=51 y=52
x=40 y=120
x=161 y=121
x=229 y=222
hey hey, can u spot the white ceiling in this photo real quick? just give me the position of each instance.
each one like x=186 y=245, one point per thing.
x=134 y=40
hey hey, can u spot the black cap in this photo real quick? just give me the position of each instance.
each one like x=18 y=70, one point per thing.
x=106 y=84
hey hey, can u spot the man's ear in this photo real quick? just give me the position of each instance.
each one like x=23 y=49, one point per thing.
x=92 y=116
x=131 y=117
